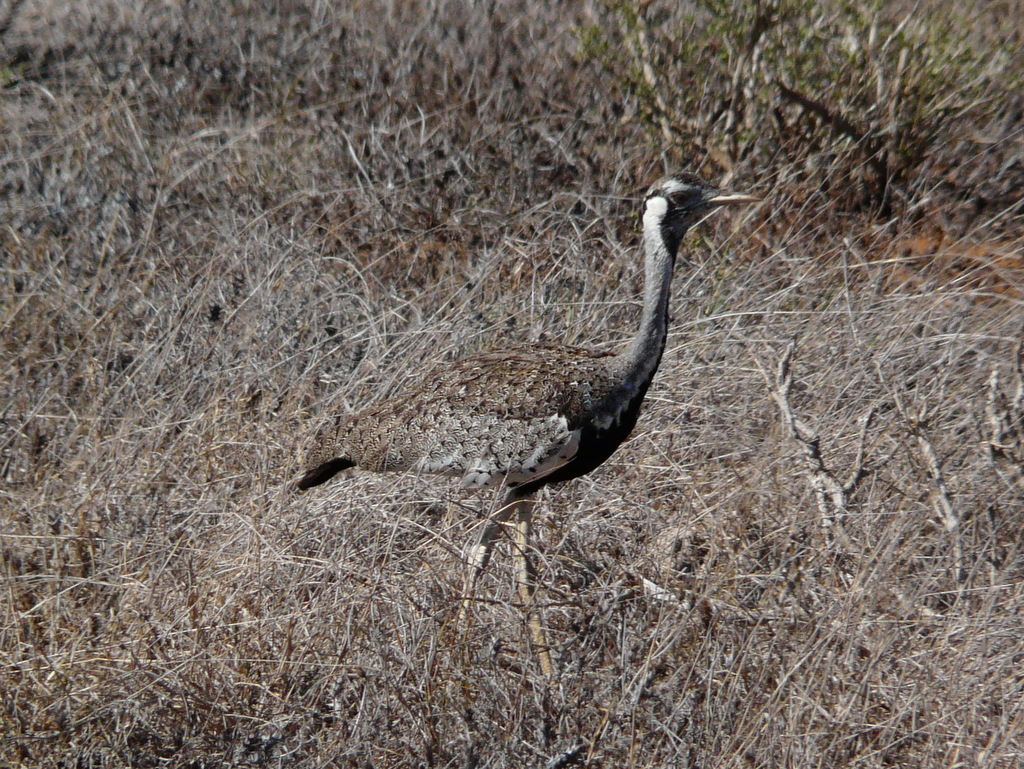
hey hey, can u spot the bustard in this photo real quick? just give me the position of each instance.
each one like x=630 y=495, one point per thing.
x=528 y=415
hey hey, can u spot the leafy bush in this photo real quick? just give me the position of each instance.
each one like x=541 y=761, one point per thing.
x=849 y=94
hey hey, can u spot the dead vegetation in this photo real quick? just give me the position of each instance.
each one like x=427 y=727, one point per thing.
x=222 y=221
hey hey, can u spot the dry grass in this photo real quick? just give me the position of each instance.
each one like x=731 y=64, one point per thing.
x=222 y=221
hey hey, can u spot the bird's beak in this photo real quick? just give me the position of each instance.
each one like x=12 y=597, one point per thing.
x=730 y=199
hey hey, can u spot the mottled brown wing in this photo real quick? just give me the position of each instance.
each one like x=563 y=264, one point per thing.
x=514 y=414
x=526 y=382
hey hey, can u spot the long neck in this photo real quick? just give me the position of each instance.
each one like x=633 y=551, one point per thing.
x=641 y=358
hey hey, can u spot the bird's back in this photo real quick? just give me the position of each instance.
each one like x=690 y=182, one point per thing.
x=523 y=415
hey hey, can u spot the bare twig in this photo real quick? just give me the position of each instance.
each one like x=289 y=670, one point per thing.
x=832 y=117
x=1005 y=417
x=832 y=495
x=870 y=145
x=917 y=420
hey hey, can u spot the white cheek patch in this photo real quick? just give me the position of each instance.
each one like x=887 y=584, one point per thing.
x=655 y=211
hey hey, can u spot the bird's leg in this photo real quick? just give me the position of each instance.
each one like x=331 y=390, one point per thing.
x=480 y=555
x=525 y=583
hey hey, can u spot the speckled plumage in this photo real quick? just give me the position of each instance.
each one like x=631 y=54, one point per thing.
x=512 y=416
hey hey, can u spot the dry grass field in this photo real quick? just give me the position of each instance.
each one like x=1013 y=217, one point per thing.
x=222 y=222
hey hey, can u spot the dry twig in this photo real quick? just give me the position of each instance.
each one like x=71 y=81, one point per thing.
x=831 y=494
x=917 y=420
x=1005 y=417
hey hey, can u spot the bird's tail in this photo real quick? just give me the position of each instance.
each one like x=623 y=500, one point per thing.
x=323 y=472
x=328 y=455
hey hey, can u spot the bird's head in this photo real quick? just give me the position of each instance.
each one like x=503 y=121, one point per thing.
x=676 y=203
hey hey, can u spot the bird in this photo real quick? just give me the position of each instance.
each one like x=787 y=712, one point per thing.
x=529 y=415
